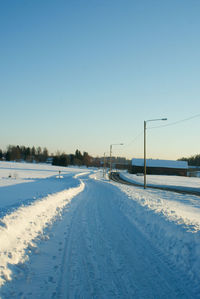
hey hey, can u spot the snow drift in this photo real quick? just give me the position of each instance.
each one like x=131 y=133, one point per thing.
x=19 y=229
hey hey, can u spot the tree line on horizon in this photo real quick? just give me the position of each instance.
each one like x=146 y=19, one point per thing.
x=77 y=159
x=41 y=155
x=192 y=160
x=23 y=153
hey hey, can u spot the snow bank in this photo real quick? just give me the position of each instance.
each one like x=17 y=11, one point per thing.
x=30 y=182
x=19 y=229
x=81 y=174
x=172 y=223
x=183 y=183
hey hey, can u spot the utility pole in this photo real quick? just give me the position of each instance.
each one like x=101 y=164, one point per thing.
x=104 y=165
x=145 y=127
x=111 y=155
x=145 y=169
x=110 y=160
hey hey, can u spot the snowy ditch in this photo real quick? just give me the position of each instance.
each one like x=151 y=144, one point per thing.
x=19 y=229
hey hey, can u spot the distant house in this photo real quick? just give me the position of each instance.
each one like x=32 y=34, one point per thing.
x=194 y=171
x=49 y=160
x=122 y=166
x=163 y=167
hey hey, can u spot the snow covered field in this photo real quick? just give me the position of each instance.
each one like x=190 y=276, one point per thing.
x=82 y=236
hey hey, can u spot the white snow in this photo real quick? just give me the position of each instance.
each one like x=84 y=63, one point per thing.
x=179 y=182
x=19 y=229
x=160 y=163
x=84 y=236
x=29 y=182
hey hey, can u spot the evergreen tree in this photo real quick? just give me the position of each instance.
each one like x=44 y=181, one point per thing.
x=38 y=154
x=44 y=155
x=193 y=160
x=61 y=160
x=86 y=159
x=8 y=156
x=78 y=159
x=71 y=159
x=28 y=154
x=23 y=152
x=33 y=153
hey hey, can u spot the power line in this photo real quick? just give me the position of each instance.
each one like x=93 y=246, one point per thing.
x=136 y=137
x=162 y=126
x=176 y=122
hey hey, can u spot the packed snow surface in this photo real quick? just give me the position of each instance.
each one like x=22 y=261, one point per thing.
x=75 y=234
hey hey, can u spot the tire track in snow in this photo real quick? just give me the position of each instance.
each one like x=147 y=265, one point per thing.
x=69 y=284
x=107 y=256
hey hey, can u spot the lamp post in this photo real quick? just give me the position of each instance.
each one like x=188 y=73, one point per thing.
x=145 y=127
x=104 y=165
x=111 y=154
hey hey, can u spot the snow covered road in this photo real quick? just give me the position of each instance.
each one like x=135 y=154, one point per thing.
x=100 y=239
x=106 y=256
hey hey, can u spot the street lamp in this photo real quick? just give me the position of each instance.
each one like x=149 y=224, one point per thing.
x=145 y=127
x=111 y=154
x=104 y=164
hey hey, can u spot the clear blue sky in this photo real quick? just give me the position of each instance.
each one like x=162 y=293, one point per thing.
x=85 y=74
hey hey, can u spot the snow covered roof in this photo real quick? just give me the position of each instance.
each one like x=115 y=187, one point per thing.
x=160 y=163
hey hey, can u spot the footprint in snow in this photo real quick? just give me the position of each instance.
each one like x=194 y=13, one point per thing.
x=50 y=279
